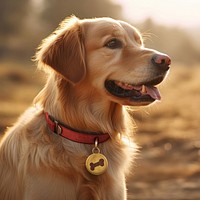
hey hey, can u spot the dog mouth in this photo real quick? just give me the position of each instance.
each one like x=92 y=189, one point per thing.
x=144 y=93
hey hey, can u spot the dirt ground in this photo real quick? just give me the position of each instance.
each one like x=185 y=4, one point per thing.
x=168 y=133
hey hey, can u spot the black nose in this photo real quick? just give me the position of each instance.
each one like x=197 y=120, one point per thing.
x=161 y=60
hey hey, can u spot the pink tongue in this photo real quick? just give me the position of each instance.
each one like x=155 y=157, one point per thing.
x=153 y=92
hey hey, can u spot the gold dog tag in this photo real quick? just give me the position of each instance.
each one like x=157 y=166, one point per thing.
x=96 y=163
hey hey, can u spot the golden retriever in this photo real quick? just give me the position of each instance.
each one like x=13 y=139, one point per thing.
x=79 y=122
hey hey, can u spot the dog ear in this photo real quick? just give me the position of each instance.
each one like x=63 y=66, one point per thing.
x=64 y=51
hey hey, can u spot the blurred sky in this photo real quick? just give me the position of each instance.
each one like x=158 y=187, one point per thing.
x=182 y=13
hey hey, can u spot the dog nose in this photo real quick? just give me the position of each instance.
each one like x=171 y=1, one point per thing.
x=161 y=60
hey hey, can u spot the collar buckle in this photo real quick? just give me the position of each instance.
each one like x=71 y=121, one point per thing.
x=58 y=128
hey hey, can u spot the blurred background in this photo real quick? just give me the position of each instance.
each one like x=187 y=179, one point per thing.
x=168 y=133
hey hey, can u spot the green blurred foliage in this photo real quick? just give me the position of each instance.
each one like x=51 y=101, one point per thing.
x=53 y=11
x=12 y=16
x=24 y=23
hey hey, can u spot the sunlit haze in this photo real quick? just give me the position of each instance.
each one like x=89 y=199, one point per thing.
x=182 y=13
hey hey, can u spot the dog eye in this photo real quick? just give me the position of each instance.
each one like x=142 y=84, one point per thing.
x=114 y=44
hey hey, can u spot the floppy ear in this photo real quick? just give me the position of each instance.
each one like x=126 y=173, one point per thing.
x=64 y=51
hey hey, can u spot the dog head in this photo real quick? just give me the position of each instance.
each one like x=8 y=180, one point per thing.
x=109 y=56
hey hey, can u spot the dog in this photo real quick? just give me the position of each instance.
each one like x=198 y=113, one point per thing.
x=76 y=141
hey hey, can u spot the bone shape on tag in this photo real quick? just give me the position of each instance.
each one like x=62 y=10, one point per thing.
x=99 y=163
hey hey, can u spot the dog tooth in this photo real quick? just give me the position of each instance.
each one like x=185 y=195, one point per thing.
x=143 y=91
x=123 y=85
x=119 y=83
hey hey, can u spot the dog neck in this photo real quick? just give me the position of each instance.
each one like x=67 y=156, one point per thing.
x=80 y=109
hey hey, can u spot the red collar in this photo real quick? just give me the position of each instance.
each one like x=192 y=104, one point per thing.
x=76 y=136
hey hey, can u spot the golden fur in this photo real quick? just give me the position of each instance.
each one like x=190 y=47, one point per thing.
x=36 y=164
